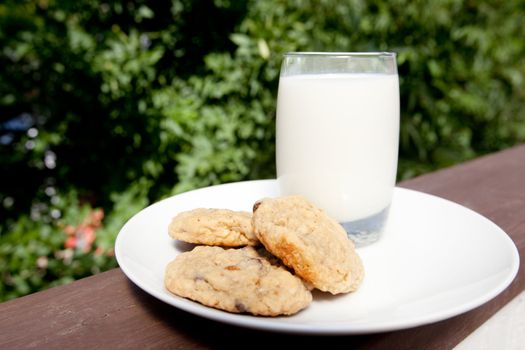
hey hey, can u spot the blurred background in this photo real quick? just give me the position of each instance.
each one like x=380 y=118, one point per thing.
x=107 y=106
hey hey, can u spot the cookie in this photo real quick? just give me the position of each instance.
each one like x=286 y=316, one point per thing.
x=236 y=280
x=220 y=227
x=310 y=242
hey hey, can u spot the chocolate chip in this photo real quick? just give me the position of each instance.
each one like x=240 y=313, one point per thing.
x=240 y=306
x=256 y=205
x=199 y=278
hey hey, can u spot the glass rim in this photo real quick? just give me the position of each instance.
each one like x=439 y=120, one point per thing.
x=340 y=54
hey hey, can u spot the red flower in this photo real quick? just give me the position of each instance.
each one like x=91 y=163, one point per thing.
x=70 y=242
x=83 y=236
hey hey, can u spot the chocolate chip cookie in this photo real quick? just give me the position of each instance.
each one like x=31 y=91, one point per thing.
x=236 y=280
x=220 y=227
x=310 y=242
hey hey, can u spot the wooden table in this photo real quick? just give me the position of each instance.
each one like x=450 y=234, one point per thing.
x=108 y=311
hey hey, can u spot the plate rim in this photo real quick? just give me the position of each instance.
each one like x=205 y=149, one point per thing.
x=338 y=328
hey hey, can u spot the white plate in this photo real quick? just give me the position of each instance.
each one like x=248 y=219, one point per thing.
x=437 y=259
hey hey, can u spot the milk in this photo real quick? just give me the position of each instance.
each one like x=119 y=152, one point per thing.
x=337 y=141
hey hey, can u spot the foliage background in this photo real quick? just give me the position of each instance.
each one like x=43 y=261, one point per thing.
x=106 y=106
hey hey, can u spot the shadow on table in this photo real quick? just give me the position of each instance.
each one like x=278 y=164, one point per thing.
x=182 y=328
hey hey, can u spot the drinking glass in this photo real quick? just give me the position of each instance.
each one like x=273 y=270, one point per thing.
x=337 y=135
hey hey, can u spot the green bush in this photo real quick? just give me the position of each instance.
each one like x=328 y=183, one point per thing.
x=44 y=250
x=112 y=105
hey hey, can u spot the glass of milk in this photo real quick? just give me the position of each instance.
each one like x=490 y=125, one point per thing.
x=338 y=135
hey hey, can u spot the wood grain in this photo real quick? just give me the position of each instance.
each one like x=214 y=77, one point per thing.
x=108 y=311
